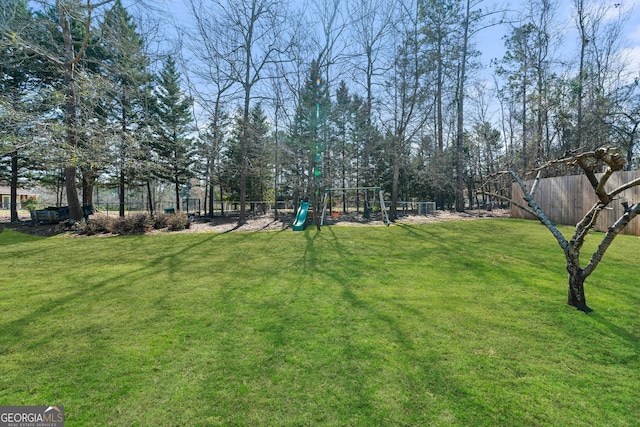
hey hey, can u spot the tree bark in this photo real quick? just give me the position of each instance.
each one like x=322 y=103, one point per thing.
x=149 y=196
x=123 y=161
x=89 y=177
x=576 y=296
x=577 y=276
x=393 y=209
x=316 y=210
x=75 y=210
x=14 y=187
x=71 y=114
x=460 y=205
x=121 y=194
x=177 y=191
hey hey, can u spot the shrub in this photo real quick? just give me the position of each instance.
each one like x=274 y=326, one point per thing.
x=97 y=225
x=30 y=203
x=178 y=222
x=160 y=220
x=133 y=224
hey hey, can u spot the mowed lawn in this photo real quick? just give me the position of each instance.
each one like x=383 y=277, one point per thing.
x=451 y=324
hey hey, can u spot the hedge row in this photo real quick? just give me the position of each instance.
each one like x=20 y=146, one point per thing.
x=134 y=224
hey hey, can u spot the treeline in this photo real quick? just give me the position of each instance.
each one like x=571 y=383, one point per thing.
x=266 y=100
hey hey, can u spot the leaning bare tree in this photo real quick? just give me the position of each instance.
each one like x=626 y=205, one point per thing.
x=590 y=162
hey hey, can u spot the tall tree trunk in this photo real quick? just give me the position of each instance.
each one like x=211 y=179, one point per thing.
x=630 y=146
x=244 y=142
x=71 y=113
x=221 y=196
x=149 y=196
x=177 y=189
x=14 y=187
x=581 y=72
x=89 y=177
x=121 y=192
x=393 y=209
x=123 y=160
x=460 y=114
x=316 y=210
x=70 y=171
x=211 y=195
x=525 y=130
x=439 y=126
x=75 y=210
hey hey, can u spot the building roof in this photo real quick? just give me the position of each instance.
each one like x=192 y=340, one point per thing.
x=6 y=190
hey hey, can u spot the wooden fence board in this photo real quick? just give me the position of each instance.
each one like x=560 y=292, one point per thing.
x=566 y=199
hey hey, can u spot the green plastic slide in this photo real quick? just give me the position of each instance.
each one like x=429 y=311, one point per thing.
x=301 y=217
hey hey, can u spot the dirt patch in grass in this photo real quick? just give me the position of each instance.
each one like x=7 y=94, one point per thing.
x=268 y=222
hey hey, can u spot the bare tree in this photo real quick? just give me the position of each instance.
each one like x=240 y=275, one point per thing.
x=474 y=20
x=210 y=77
x=257 y=28
x=589 y=162
x=328 y=13
x=599 y=69
x=626 y=125
x=407 y=91
x=441 y=19
x=527 y=68
x=328 y=19
x=372 y=26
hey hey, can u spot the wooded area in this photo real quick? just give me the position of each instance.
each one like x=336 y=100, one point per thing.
x=567 y=199
x=270 y=100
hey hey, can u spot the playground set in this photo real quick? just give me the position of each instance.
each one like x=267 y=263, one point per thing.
x=317 y=156
x=372 y=206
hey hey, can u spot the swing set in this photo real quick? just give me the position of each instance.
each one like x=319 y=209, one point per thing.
x=369 y=203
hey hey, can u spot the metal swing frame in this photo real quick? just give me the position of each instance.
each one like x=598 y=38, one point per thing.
x=383 y=207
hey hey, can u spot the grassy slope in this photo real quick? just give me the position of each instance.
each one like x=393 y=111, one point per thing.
x=444 y=324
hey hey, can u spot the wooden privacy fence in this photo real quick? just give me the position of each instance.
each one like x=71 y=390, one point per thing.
x=566 y=199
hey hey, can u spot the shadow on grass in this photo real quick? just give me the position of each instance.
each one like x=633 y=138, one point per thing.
x=310 y=255
x=15 y=328
x=168 y=262
x=376 y=316
x=631 y=338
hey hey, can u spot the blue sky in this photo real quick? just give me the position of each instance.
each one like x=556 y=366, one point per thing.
x=490 y=40
x=493 y=45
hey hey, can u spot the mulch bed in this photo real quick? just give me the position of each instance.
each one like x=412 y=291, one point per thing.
x=268 y=222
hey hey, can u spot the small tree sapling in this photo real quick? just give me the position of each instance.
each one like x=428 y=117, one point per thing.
x=590 y=162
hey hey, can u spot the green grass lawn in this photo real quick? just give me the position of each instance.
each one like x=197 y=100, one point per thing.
x=451 y=324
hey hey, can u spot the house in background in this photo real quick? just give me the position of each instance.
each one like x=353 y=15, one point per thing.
x=5 y=196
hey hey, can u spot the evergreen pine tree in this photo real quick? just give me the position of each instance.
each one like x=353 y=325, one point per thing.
x=173 y=147
x=124 y=62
